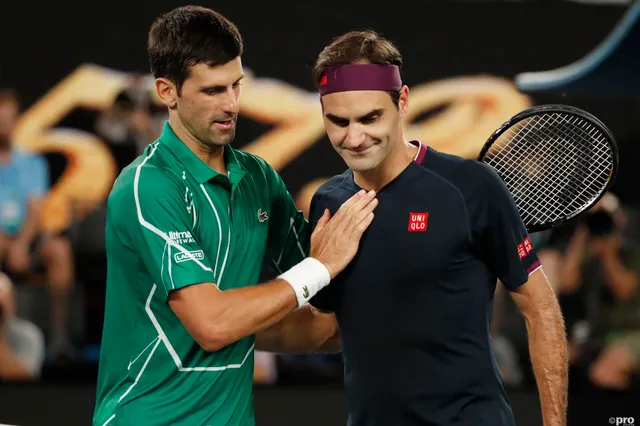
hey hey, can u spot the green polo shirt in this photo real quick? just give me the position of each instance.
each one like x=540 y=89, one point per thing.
x=172 y=221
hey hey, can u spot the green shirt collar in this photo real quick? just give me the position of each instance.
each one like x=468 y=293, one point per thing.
x=198 y=169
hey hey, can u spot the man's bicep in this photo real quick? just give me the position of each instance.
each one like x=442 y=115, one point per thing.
x=510 y=253
x=534 y=295
x=164 y=238
x=192 y=305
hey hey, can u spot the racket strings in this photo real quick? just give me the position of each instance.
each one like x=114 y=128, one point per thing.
x=522 y=188
x=559 y=170
x=563 y=171
x=593 y=171
x=566 y=168
x=554 y=164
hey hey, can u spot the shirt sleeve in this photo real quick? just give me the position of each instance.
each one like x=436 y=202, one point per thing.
x=160 y=230
x=328 y=298
x=504 y=239
x=28 y=344
x=289 y=236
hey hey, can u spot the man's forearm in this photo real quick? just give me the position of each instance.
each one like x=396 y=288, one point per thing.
x=333 y=344
x=301 y=331
x=549 y=356
x=622 y=281
x=32 y=223
x=5 y=243
x=11 y=367
x=247 y=310
x=216 y=318
x=27 y=233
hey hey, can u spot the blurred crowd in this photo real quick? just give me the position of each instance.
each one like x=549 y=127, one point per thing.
x=28 y=256
x=592 y=263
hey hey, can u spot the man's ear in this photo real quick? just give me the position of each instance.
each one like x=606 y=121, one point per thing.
x=167 y=92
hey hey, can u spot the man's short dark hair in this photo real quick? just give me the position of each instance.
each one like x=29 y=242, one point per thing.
x=354 y=47
x=188 y=36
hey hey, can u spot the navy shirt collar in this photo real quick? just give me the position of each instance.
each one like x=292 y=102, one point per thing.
x=417 y=161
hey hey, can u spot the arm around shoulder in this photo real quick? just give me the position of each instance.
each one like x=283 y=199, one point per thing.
x=217 y=318
x=305 y=330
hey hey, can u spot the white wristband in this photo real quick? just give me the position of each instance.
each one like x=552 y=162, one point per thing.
x=307 y=278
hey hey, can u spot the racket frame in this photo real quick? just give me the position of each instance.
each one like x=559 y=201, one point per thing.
x=562 y=109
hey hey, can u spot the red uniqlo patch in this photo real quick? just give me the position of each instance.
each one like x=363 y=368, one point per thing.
x=418 y=222
x=527 y=245
x=522 y=252
x=323 y=80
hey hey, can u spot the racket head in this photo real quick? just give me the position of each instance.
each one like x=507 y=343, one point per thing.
x=566 y=115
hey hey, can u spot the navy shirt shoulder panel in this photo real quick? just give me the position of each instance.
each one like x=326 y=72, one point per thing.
x=460 y=172
x=499 y=235
x=337 y=188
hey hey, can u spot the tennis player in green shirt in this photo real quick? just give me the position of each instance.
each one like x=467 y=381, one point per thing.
x=189 y=225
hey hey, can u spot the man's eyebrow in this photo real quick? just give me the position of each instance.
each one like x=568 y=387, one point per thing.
x=335 y=117
x=366 y=116
x=371 y=114
x=218 y=87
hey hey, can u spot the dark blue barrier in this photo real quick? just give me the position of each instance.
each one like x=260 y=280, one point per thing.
x=71 y=405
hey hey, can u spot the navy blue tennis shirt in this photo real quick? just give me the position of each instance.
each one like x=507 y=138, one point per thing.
x=415 y=305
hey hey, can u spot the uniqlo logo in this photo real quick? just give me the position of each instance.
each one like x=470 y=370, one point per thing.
x=527 y=245
x=418 y=222
x=522 y=252
x=323 y=80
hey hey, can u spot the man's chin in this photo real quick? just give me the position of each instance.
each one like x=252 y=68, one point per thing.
x=224 y=139
x=361 y=164
x=228 y=139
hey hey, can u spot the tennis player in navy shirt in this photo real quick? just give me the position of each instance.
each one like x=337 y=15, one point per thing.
x=414 y=307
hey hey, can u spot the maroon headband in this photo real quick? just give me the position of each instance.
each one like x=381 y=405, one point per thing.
x=350 y=77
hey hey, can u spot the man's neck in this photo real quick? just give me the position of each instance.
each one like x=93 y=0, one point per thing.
x=5 y=153
x=397 y=161
x=211 y=156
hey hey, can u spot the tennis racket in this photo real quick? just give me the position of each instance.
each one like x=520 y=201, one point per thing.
x=556 y=160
